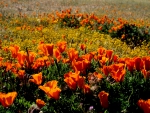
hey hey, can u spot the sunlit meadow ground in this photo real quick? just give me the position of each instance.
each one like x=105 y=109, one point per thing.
x=135 y=10
x=129 y=9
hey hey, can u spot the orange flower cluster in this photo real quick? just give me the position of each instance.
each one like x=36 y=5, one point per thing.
x=139 y=64
x=109 y=65
x=116 y=28
x=29 y=28
x=47 y=49
x=74 y=80
x=91 y=19
x=117 y=71
x=116 y=66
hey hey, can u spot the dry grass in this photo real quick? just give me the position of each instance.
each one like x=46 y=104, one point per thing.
x=135 y=9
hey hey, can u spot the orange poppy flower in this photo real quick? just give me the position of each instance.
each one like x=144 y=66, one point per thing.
x=72 y=54
x=145 y=73
x=37 y=78
x=144 y=105
x=47 y=49
x=115 y=58
x=21 y=56
x=40 y=62
x=103 y=61
x=57 y=54
x=40 y=103
x=130 y=64
x=118 y=75
x=14 y=50
x=61 y=46
x=103 y=96
x=30 y=58
x=117 y=71
x=88 y=56
x=71 y=79
x=71 y=83
x=138 y=63
x=106 y=70
x=55 y=93
x=116 y=67
x=74 y=76
x=80 y=65
x=7 y=99
x=99 y=57
x=109 y=54
x=77 y=65
x=51 y=89
x=101 y=50
x=122 y=60
x=146 y=63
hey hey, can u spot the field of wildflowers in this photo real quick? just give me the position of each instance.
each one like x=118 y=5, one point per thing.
x=64 y=60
